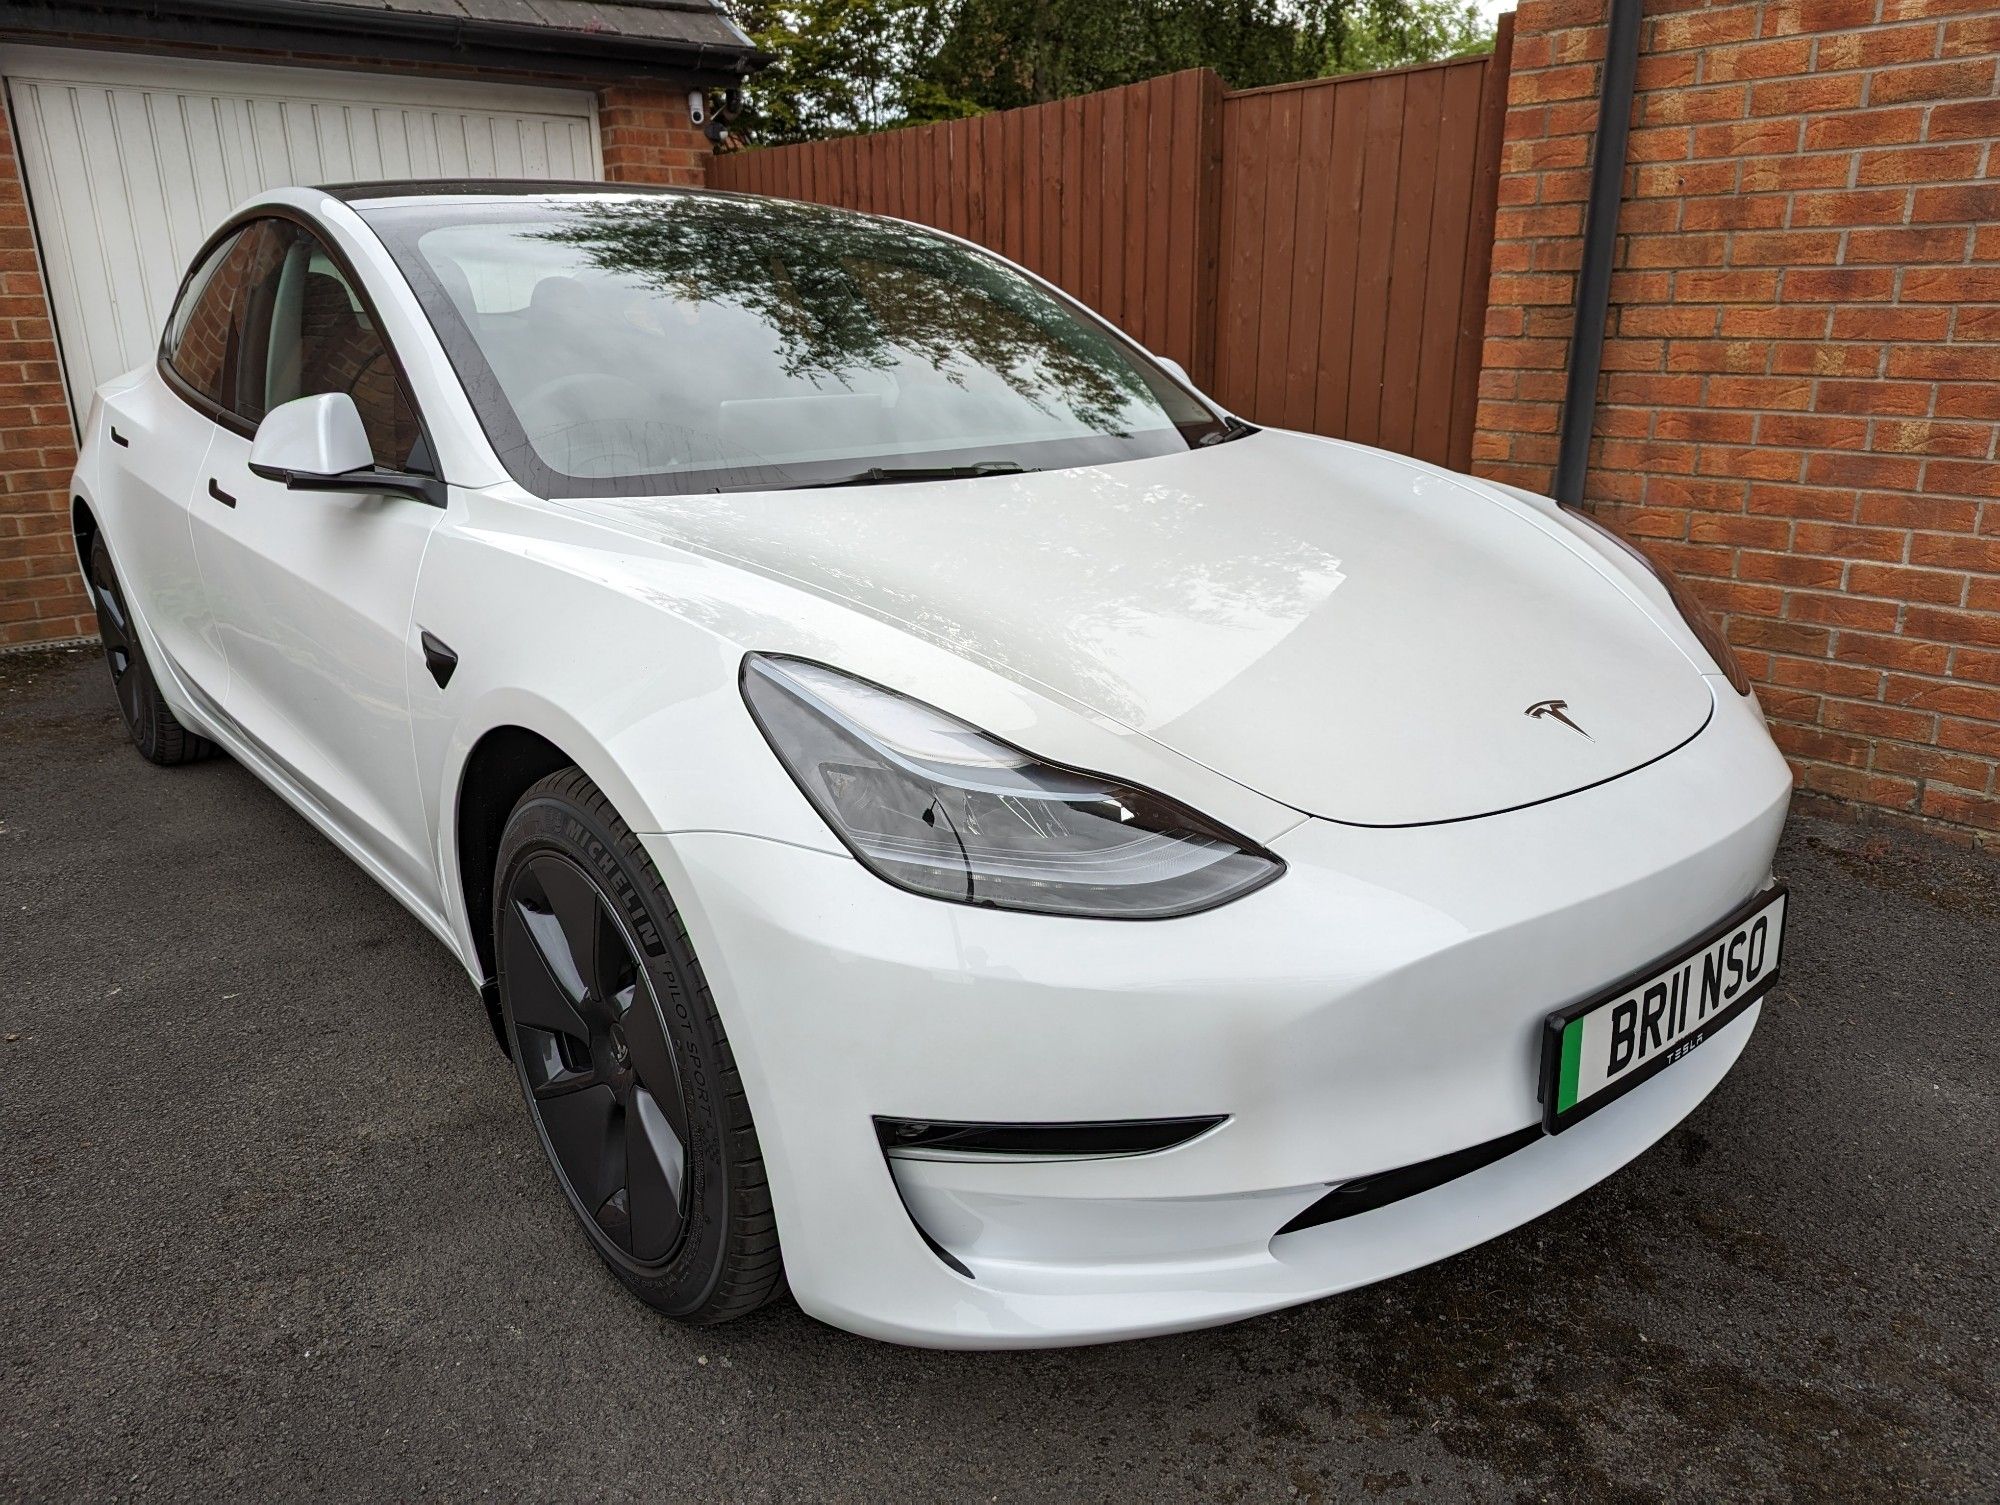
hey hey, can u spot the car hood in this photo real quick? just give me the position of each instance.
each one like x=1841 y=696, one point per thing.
x=1357 y=636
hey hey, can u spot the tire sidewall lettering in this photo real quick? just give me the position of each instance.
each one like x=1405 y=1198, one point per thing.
x=550 y=826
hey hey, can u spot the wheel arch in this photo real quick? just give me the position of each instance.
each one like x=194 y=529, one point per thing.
x=83 y=528
x=501 y=766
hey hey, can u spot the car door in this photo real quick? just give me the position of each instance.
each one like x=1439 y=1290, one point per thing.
x=311 y=591
x=157 y=431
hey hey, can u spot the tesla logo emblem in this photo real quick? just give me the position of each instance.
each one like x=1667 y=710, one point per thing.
x=1556 y=710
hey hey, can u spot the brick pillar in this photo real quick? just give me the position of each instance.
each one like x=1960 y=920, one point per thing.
x=1800 y=407
x=648 y=137
x=41 y=598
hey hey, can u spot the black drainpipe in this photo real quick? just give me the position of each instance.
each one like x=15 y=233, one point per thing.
x=1600 y=239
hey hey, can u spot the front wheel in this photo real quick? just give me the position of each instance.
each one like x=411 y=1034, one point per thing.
x=623 y=1061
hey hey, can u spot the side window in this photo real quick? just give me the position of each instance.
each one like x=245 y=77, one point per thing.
x=304 y=331
x=197 y=339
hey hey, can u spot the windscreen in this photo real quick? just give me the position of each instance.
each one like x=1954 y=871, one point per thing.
x=619 y=345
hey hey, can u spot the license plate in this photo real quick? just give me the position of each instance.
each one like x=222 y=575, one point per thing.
x=1596 y=1051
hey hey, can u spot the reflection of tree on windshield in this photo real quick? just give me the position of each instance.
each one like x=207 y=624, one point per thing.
x=844 y=294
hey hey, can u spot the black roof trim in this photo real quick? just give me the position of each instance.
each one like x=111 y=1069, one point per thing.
x=535 y=188
x=545 y=188
x=493 y=188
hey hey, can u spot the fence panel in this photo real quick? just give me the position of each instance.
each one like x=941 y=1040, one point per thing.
x=1316 y=254
x=1356 y=238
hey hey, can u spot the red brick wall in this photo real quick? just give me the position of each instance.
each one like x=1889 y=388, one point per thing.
x=1802 y=371
x=41 y=597
x=646 y=138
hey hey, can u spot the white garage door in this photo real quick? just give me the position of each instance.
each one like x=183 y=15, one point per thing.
x=130 y=163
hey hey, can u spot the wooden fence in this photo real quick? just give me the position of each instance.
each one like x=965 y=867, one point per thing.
x=1315 y=254
x=1113 y=196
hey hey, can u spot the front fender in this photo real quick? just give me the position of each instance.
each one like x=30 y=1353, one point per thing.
x=642 y=699
x=624 y=651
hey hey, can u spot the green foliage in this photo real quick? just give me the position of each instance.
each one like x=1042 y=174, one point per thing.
x=1420 y=31
x=859 y=65
x=841 y=67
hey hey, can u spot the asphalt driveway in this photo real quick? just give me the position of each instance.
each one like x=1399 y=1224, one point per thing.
x=272 y=1222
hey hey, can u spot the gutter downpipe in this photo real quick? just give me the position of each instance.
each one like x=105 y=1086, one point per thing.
x=1600 y=242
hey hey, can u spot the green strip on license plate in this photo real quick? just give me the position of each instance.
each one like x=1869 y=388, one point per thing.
x=1572 y=1055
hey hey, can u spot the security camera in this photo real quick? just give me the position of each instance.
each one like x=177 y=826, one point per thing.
x=697 y=106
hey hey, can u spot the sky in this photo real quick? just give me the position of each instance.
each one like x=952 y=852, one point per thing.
x=1491 y=8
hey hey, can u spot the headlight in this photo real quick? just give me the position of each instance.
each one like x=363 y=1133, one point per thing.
x=1700 y=623
x=941 y=808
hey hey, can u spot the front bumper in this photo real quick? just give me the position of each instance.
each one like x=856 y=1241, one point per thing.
x=1378 y=1006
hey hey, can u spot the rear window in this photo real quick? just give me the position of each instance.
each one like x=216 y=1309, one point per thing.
x=196 y=345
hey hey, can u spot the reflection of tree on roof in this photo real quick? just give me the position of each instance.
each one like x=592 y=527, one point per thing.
x=846 y=294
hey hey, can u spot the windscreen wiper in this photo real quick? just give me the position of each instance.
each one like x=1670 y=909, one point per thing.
x=883 y=475
x=1232 y=428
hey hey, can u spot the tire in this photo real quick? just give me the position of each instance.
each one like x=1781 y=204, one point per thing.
x=623 y=1062
x=147 y=717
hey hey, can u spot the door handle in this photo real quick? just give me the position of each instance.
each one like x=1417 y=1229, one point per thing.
x=219 y=494
x=119 y=439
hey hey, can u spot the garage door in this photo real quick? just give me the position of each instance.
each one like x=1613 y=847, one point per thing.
x=130 y=163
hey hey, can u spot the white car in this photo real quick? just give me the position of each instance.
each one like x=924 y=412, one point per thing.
x=914 y=779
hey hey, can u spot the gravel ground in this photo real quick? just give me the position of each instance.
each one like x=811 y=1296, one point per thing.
x=272 y=1222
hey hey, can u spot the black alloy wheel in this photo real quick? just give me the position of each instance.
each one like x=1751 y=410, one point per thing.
x=145 y=712
x=599 y=1071
x=623 y=1061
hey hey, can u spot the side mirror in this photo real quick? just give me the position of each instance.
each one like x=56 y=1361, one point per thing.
x=318 y=443
x=311 y=438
